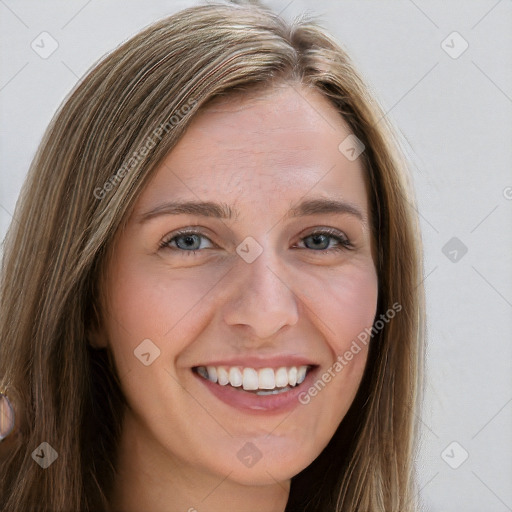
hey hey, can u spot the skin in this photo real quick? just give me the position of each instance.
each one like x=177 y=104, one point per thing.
x=260 y=154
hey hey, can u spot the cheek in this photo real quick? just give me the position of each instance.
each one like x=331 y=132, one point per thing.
x=154 y=301
x=345 y=303
x=168 y=308
x=163 y=305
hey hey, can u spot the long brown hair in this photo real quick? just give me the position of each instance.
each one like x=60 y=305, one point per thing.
x=96 y=156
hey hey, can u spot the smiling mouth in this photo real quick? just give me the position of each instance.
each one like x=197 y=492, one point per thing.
x=262 y=382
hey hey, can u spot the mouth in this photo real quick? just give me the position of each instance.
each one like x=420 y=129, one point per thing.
x=256 y=389
x=265 y=381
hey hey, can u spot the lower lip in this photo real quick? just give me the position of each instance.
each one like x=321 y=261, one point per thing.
x=282 y=402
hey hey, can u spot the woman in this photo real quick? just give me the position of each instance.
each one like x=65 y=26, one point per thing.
x=273 y=366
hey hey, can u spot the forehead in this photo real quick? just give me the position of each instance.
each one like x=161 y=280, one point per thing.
x=275 y=145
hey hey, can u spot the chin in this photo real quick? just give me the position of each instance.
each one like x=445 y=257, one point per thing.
x=264 y=463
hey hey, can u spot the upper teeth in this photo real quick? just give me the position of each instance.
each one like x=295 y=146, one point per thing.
x=251 y=379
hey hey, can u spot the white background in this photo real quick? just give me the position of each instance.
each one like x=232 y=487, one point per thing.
x=455 y=116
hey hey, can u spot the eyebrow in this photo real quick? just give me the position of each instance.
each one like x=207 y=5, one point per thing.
x=224 y=211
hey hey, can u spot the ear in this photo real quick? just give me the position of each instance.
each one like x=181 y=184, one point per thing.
x=13 y=421
x=94 y=330
x=96 y=337
x=6 y=416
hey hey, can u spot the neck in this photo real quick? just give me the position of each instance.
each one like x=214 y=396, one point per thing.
x=148 y=478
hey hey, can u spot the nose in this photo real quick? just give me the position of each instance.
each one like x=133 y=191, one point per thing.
x=262 y=300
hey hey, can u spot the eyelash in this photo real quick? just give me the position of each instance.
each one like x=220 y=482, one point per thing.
x=344 y=243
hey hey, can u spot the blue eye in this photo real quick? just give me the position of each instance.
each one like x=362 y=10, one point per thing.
x=319 y=241
x=185 y=241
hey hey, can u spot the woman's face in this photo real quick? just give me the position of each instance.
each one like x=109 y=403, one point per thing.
x=260 y=287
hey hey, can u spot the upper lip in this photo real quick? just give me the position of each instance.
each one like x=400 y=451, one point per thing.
x=262 y=362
